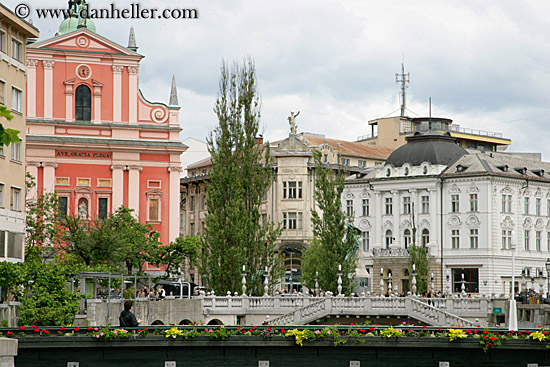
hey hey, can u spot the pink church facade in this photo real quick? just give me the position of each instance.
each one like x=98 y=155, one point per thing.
x=94 y=139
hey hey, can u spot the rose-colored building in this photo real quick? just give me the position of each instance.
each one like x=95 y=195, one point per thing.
x=93 y=138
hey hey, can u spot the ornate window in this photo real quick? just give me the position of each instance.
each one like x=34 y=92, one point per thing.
x=425 y=204
x=366 y=211
x=425 y=237
x=526 y=239
x=525 y=205
x=389 y=238
x=473 y=202
x=538 y=240
x=506 y=239
x=537 y=206
x=102 y=208
x=474 y=238
x=455 y=199
x=62 y=206
x=407 y=237
x=389 y=207
x=407 y=205
x=455 y=238
x=506 y=203
x=366 y=241
x=349 y=208
x=154 y=205
x=83 y=103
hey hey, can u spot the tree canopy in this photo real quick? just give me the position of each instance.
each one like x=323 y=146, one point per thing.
x=333 y=244
x=241 y=175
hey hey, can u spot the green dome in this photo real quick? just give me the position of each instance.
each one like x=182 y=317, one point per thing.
x=71 y=24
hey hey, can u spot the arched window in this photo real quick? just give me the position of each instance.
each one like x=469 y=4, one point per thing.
x=83 y=103
x=389 y=238
x=407 y=237
x=425 y=237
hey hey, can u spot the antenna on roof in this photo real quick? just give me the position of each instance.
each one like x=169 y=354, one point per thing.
x=403 y=79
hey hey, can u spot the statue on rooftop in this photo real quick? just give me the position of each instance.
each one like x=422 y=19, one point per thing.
x=292 y=122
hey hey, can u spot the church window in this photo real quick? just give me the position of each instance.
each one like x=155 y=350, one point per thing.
x=83 y=103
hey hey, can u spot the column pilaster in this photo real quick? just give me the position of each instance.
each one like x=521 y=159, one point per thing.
x=174 y=202
x=396 y=211
x=31 y=87
x=48 y=88
x=118 y=185
x=133 y=188
x=117 y=93
x=49 y=176
x=133 y=94
x=378 y=219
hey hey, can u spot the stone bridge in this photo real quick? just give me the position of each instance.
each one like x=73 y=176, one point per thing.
x=284 y=310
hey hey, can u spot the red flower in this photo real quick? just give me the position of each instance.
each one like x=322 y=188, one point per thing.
x=478 y=325
x=408 y=329
x=10 y=332
x=526 y=331
x=22 y=328
x=485 y=331
x=424 y=326
x=268 y=329
x=475 y=331
x=254 y=327
x=282 y=330
x=33 y=325
x=62 y=327
x=46 y=331
x=545 y=333
x=487 y=345
x=351 y=323
x=244 y=331
x=90 y=328
x=519 y=332
x=59 y=331
x=493 y=338
x=363 y=330
x=239 y=328
x=468 y=331
x=147 y=329
x=485 y=336
x=77 y=328
x=371 y=329
x=139 y=330
x=36 y=330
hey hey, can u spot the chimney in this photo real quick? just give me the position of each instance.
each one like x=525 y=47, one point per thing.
x=259 y=139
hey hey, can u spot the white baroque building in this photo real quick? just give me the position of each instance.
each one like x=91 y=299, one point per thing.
x=469 y=209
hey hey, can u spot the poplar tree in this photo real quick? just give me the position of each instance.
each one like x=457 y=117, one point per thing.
x=241 y=174
x=332 y=244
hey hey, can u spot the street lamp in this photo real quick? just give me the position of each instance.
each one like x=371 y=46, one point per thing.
x=547 y=264
x=512 y=313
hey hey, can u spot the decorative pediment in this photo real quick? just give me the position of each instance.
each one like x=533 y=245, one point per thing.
x=473 y=189
x=365 y=225
x=454 y=189
x=387 y=225
x=507 y=223
x=527 y=223
x=83 y=191
x=454 y=222
x=473 y=222
x=365 y=193
x=83 y=40
x=153 y=193
x=424 y=224
x=507 y=190
x=350 y=196
x=539 y=225
x=405 y=224
x=291 y=144
x=538 y=193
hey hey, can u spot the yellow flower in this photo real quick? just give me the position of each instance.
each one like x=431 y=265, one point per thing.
x=537 y=335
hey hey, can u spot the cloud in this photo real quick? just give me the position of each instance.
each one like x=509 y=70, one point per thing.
x=483 y=63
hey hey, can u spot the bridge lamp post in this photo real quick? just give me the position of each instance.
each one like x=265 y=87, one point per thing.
x=547 y=264
x=413 y=281
x=381 y=282
x=339 y=280
x=513 y=313
x=244 y=280
x=317 y=283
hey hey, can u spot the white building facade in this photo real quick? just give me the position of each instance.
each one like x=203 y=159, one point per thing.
x=467 y=209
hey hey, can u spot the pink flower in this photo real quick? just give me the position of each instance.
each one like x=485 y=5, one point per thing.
x=328 y=332
x=206 y=329
x=101 y=334
x=97 y=336
x=210 y=330
x=221 y=327
x=96 y=329
x=317 y=332
x=115 y=332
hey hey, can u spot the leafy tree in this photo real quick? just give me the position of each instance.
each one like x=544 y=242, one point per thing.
x=332 y=244
x=174 y=255
x=42 y=222
x=241 y=174
x=7 y=136
x=419 y=257
x=47 y=301
x=119 y=240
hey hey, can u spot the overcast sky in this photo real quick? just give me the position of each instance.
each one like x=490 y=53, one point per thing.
x=484 y=63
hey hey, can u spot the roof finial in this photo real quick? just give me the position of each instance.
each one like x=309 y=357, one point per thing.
x=174 y=93
x=132 y=45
